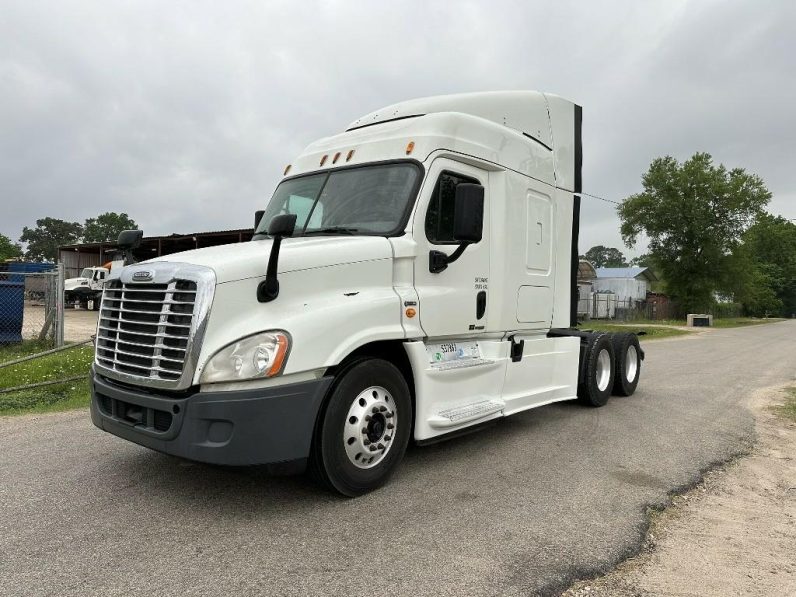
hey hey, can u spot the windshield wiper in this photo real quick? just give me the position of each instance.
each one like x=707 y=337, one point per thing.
x=332 y=230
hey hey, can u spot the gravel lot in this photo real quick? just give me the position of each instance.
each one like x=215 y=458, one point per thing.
x=524 y=507
x=79 y=324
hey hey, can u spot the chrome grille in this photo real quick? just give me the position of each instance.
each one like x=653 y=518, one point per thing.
x=144 y=329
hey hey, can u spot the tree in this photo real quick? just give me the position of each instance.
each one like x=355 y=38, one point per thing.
x=9 y=250
x=764 y=275
x=106 y=227
x=601 y=256
x=693 y=214
x=644 y=260
x=49 y=234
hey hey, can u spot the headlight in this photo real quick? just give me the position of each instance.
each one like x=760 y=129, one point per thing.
x=260 y=355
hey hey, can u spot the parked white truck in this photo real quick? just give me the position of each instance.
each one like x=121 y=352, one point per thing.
x=410 y=279
x=86 y=289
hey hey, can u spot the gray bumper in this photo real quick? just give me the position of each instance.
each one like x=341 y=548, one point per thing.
x=271 y=426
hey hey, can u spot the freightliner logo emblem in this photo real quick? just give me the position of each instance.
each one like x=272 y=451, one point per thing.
x=142 y=276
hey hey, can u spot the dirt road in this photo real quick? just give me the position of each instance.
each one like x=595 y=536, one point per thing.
x=734 y=534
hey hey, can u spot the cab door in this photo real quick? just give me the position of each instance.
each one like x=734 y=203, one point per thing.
x=453 y=302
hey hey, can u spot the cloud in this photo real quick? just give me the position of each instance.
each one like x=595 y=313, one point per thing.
x=183 y=114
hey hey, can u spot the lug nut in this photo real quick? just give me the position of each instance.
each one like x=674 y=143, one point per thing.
x=388 y=416
x=367 y=418
x=366 y=442
x=381 y=446
x=390 y=426
x=387 y=438
x=375 y=409
x=373 y=448
x=382 y=408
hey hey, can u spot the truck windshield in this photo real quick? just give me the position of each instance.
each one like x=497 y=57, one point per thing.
x=86 y=273
x=370 y=200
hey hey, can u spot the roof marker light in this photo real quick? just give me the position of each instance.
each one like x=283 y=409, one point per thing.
x=336 y=157
x=410 y=147
x=287 y=169
x=323 y=160
x=349 y=156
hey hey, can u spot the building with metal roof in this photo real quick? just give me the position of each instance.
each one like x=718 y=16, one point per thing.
x=76 y=257
x=627 y=283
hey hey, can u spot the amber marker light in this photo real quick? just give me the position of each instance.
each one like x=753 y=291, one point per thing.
x=410 y=312
x=410 y=147
x=287 y=169
x=349 y=156
x=281 y=352
x=336 y=157
x=323 y=160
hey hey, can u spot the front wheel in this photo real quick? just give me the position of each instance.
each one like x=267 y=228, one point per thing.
x=364 y=428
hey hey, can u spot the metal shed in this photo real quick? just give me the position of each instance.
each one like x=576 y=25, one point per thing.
x=76 y=257
x=627 y=283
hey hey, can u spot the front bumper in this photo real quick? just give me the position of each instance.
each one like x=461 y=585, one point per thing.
x=272 y=426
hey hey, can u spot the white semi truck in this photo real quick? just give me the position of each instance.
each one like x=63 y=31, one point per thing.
x=411 y=278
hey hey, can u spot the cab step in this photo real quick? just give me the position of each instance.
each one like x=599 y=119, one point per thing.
x=465 y=413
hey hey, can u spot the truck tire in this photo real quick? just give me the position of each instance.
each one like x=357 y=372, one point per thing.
x=627 y=369
x=363 y=429
x=595 y=387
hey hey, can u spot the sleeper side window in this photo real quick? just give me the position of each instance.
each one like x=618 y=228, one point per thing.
x=439 y=216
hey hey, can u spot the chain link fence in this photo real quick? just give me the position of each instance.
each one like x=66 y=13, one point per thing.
x=607 y=306
x=31 y=305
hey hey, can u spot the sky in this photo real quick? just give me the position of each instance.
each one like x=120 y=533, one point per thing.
x=184 y=114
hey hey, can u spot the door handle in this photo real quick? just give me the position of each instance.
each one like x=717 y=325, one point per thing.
x=480 y=304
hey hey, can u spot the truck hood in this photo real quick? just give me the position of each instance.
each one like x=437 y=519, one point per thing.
x=72 y=283
x=239 y=261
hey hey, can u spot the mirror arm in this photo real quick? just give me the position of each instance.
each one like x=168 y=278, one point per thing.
x=438 y=261
x=280 y=227
x=268 y=289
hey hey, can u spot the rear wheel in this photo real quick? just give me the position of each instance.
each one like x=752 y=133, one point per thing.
x=627 y=370
x=364 y=428
x=598 y=375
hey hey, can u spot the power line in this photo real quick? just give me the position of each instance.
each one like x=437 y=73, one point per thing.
x=600 y=198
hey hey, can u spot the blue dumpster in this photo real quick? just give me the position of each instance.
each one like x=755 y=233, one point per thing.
x=12 y=298
x=12 y=295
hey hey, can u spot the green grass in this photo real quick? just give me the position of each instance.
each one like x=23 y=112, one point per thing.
x=788 y=408
x=649 y=332
x=68 y=363
x=735 y=322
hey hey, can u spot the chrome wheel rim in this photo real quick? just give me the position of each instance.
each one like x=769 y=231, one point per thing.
x=603 y=369
x=631 y=363
x=370 y=426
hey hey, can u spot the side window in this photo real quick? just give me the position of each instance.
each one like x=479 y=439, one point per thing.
x=439 y=216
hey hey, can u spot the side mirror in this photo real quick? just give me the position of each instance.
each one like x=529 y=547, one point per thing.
x=468 y=225
x=258 y=216
x=130 y=239
x=283 y=225
x=468 y=215
x=279 y=227
x=127 y=241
